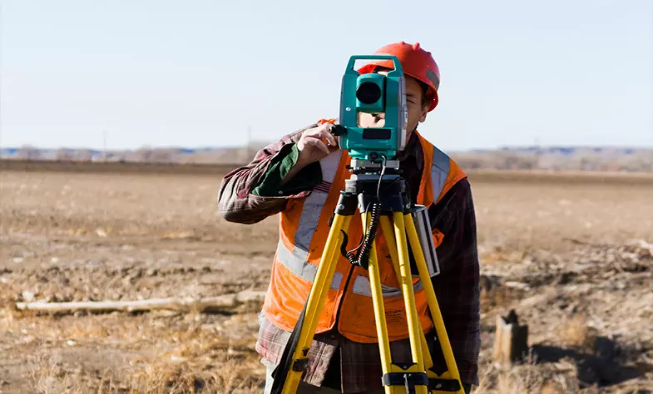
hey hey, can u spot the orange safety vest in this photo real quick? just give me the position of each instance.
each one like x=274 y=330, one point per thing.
x=304 y=228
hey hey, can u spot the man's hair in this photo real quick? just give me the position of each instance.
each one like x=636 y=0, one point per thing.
x=426 y=97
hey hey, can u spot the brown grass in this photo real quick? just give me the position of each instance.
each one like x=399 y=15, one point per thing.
x=48 y=376
x=79 y=236
x=182 y=361
x=577 y=333
x=528 y=378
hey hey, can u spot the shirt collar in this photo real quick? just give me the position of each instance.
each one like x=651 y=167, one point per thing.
x=412 y=150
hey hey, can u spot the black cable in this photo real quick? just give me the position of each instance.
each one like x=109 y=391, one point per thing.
x=378 y=186
x=360 y=254
x=371 y=234
x=352 y=255
x=375 y=214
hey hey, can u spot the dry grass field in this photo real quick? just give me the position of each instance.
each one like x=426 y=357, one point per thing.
x=571 y=254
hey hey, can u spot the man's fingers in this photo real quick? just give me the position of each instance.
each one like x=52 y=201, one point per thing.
x=330 y=137
x=319 y=137
x=325 y=132
x=322 y=132
x=317 y=131
x=316 y=142
x=323 y=147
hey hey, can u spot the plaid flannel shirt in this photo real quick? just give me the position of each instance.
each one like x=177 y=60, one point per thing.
x=456 y=287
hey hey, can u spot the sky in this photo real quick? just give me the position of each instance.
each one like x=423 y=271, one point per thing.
x=197 y=73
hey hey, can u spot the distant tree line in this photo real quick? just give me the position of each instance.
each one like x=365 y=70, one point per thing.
x=559 y=159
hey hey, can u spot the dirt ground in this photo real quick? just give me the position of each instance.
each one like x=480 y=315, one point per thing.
x=572 y=255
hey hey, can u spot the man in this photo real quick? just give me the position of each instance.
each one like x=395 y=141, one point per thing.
x=300 y=178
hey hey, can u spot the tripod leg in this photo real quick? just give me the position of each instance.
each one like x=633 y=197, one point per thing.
x=315 y=302
x=452 y=369
x=394 y=377
x=417 y=372
x=407 y=289
x=379 y=315
x=386 y=229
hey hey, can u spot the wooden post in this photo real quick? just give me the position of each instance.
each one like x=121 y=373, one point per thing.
x=511 y=340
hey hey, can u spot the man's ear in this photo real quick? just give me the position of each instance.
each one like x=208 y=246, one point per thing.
x=425 y=111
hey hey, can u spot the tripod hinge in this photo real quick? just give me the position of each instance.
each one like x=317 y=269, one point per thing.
x=408 y=380
x=300 y=365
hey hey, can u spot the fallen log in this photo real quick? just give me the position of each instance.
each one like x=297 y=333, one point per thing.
x=223 y=303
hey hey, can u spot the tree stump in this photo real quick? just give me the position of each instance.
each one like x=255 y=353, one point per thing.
x=511 y=340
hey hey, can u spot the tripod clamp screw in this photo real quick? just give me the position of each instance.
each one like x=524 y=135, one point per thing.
x=300 y=365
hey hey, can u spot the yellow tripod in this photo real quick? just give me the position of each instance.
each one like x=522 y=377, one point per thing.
x=391 y=208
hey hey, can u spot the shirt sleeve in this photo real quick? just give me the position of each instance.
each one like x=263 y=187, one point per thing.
x=457 y=286
x=236 y=201
x=307 y=178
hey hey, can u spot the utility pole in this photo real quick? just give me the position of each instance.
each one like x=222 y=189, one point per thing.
x=104 y=146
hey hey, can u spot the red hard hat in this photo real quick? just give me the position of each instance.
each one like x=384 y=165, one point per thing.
x=415 y=61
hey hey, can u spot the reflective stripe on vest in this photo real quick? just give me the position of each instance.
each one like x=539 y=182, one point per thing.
x=315 y=202
x=439 y=171
x=297 y=265
x=362 y=287
x=296 y=260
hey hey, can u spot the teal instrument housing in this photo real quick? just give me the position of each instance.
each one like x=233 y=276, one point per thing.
x=373 y=93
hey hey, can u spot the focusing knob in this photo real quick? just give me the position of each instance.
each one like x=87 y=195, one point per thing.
x=338 y=130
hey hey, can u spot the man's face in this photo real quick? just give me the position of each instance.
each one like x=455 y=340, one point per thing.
x=416 y=111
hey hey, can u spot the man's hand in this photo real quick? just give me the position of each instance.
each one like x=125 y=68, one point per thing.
x=315 y=144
